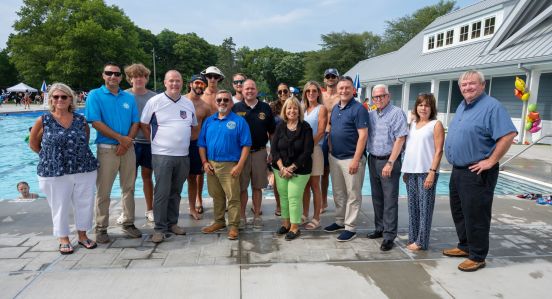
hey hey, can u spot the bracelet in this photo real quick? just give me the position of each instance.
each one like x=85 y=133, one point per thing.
x=434 y=170
x=203 y=163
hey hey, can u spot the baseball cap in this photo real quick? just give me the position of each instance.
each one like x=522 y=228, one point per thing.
x=213 y=70
x=198 y=77
x=331 y=71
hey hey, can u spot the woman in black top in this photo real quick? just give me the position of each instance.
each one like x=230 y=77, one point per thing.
x=291 y=149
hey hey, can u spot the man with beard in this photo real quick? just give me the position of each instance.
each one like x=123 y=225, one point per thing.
x=237 y=84
x=196 y=89
x=214 y=76
x=329 y=99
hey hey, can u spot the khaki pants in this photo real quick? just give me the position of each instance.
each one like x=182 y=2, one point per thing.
x=110 y=165
x=223 y=186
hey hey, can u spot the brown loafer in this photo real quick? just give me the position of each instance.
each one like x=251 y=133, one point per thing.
x=233 y=233
x=455 y=252
x=471 y=266
x=212 y=228
x=177 y=230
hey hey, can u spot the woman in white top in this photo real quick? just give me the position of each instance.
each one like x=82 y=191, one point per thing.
x=316 y=115
x=424 y=149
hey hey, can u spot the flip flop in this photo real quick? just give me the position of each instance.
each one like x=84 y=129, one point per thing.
x=260 y=213
x=278 y=213
x=65 y=246
x=198 y=217
x=88 y=244
x=526 y=195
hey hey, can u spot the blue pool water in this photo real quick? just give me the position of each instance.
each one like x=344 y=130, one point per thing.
x=18 y=163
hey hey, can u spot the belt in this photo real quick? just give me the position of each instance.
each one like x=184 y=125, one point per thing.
x=380 y=157
x=460 y=167
x=105 y=145
x=253 y=150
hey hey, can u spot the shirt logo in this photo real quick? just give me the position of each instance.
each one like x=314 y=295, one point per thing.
x=262 y=116
x=183 y=114
x=241 y=113
x=126 y=106
x=231 y=125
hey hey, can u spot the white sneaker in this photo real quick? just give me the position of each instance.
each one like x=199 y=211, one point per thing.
x=149 y=216
x=121 y=219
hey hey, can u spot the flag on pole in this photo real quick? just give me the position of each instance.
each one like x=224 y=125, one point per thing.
x=43 y=87
x=44 y=90
x=358 y=88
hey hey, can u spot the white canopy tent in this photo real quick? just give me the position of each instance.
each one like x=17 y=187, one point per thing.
x=21 y=87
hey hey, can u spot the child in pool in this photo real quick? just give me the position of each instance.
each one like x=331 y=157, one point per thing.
x=24 y=190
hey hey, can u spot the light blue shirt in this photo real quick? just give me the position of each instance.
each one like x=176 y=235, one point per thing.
x=475 y=129
x=385 y=127
x=118 y=112
x=224 y=138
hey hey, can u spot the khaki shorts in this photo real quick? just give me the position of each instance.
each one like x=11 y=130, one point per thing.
x=254 y=171
x=317 y=161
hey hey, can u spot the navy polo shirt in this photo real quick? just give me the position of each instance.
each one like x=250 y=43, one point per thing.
x=475 y=129
x=345 y=123
x=118 y=112
x=260 y=121
x=224 y=138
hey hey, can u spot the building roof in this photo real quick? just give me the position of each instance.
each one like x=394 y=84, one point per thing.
x=410 y=61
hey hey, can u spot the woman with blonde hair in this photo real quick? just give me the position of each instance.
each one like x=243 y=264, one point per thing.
x=66 y=167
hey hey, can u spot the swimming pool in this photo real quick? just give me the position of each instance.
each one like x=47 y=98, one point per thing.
x=18 y=163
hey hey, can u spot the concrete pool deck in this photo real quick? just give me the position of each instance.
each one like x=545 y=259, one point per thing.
x=262 y=265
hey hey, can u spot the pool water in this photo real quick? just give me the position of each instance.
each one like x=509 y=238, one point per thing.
x=18 y=163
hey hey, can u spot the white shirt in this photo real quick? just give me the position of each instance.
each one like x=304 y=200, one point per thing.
x=171 y=124
x=420 y=148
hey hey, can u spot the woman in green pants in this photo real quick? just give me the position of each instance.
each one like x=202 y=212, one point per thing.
x=291 y=149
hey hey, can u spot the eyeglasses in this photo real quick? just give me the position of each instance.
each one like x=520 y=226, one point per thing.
x=283 y=91
x=225 y=100
x=62 y=97
x=380 y=97
x=311 y=91
x=212 y=76
x=238 y=82
x=330 y=76
x=110 y=73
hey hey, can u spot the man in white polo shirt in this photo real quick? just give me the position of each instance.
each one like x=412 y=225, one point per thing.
x=169 y=118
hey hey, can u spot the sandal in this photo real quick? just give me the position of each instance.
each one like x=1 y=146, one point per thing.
x=278 y=213
x=260 y=212
x=304 y=219
x=65 y=248
x=88 y=244
x=313 y=224
x=527 y=196
x=199 y=209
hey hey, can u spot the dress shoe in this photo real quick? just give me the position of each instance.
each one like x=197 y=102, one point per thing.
x=386 y=245
x=471 y=265
x=455 y=252
x=233 y=233
x=375 y=235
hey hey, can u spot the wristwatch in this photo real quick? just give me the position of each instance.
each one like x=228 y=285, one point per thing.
x=390 y=162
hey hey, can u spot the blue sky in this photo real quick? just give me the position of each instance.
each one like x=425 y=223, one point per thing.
x=293 y=25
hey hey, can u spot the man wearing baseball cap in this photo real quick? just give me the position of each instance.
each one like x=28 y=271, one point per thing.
x=213 y=76
x=196 y=88
x=329 y=99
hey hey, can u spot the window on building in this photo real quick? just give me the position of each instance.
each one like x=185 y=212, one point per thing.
x=476 y=30
x=440 y=38
x=450 y=35
x=431 y=42
x=464 y=33
x=489 y=26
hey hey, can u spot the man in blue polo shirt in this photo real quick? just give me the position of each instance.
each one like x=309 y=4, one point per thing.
x=347 y=141
x=224 y=144
x=388 y=131
x=478 y=137
x=114 y=115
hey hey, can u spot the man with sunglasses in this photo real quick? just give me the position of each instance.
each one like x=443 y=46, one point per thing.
x=329 y=98
x=261 y=125
x=196 y=88
x=237 y=84
x=387 y=134
x=170 y=117
x=114 y=114
x=214 y=76
x=224 y=145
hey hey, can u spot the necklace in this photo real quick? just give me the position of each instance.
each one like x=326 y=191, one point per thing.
x=292 y=127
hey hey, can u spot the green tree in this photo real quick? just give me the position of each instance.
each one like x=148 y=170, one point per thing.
x=290 y=69
x=226 y=61
x=340 y=50
x=400 y=31
x=8 y=73
x=70 y=40
x=194 y=54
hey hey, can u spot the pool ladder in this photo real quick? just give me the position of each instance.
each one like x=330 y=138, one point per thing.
x=521 y=152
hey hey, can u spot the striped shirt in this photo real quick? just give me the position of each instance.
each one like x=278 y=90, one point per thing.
x=385 y=127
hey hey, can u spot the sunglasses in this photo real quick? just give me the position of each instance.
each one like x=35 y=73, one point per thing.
x=212 y=76
x=110 y=73
x=238 y=82
x=225 y=100
x=330 y=76
x=62 y=97
x=283 y=91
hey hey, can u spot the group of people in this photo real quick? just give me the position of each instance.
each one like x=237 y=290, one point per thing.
x=232 y=138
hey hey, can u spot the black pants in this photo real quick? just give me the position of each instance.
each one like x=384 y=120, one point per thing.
x=471 y=201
